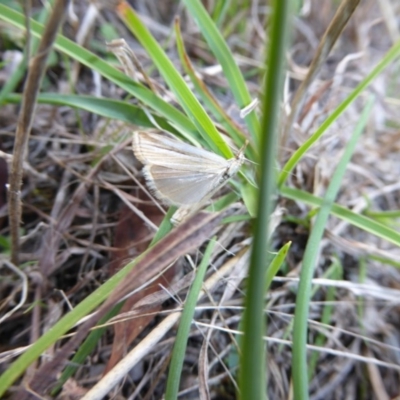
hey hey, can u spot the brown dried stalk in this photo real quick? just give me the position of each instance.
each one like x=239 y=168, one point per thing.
x=335 y=28
x=36 y=71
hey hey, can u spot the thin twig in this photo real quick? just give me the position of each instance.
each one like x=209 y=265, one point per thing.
x=35 y=75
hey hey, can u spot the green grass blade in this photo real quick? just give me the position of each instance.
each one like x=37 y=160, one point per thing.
x=206 y=96
x=107 y=108
x=276 y=264
x=224 y=56
x=358 y=220
x=252 y=376
x=335 y=272
x=391 y=55
x=178 y=352
x=86 y=348
x=249 y=195
x=219 y=12
x=177 y=84
x=299 y=360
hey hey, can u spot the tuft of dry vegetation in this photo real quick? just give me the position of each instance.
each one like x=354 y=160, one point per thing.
x=96 y=247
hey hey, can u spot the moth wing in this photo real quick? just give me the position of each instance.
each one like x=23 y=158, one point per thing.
x=155 y=149
x=180 y=187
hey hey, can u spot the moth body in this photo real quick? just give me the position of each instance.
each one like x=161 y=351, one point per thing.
x=181 y=174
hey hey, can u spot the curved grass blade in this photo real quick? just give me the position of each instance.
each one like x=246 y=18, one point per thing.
x=360 y=221
x=178 y=352
x=299 y=360
x=224 y=56
x=206 y=96
x=391 y=55
x=108 y=108
x=175 y=81
x=276 y=264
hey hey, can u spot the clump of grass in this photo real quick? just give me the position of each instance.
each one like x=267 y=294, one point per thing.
x=326 y=297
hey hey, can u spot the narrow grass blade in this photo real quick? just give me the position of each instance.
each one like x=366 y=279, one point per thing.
x=207 y=97
x=391 y=55
x=107 y=108
x=252 y=377
x=276 y=264
x=249 y=195
x=86 y=348
x=175 y=81
x=178 y=352
x=299 y=360
x=223 y=54
x=358 y=220
x=334 y=272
